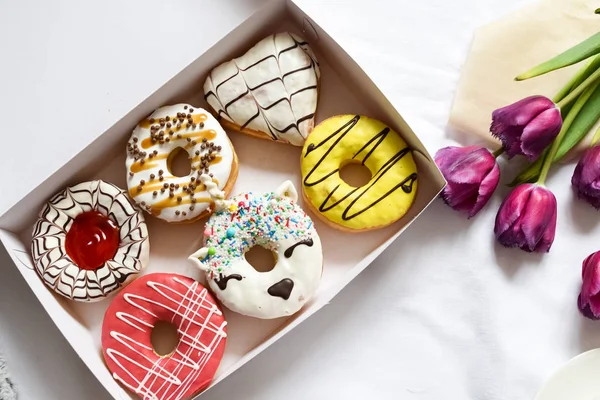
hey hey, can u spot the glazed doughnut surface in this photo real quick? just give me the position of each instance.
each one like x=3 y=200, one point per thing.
x=274 y=221
x=345 y=139
x=269 y=92
x=150 y=150
x=127 y=329
x=48 y=247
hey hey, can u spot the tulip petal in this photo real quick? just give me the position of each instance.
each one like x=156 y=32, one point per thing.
x=590 y=274
x=511 y=208
x=589 y=297
x=540 y=132
x=585 y=309
x=459 y=196
x=512 y=237
x=547 y=239
x=589 y=165
x=469 y=167
x=465 y=170
x=445 y=157
x=586 y=177
x=486 y=189
x=539 y=217
x=522 y=111
x=594 y=201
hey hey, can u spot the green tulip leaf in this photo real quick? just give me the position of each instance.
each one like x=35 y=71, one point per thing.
x=577 y=53
x=580 y=120
x=584 y=72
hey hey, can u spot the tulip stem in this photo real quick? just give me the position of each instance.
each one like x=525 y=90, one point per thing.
x=498 y=152
x=579 y=89
x=595 y=138
x=564 y=129
x=577 y=79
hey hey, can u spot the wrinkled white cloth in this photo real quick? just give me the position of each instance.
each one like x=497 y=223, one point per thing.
x=445 y=313
x=8 y=391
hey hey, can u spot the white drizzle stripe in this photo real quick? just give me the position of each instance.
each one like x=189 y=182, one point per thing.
x=188 y=310
x=188 y=301
x=51 y=260
x=126 y=318
x=272 y=88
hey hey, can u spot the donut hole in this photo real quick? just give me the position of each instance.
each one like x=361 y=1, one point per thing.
x=261 y=259
x=179 y=163
x=355 y=174
x=164 y=338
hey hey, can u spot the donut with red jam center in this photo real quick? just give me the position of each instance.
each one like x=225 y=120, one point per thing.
x=89 y=241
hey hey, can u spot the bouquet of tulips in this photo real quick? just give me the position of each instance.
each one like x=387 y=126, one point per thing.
x=543 y=130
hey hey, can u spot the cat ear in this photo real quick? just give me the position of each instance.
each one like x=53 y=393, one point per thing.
x=287 y=189
x=198 y=257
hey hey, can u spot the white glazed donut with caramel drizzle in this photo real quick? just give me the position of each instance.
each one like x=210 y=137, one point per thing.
x=150 y=151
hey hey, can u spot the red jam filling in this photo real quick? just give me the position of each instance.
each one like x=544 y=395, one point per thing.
x=92 y=240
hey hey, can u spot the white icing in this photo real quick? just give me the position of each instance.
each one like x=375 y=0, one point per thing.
x=216 y=194
x=272 y=88
x=158 y=382
x=277 y=223
x=48 y=244
x=221 y=171
x=287 y=189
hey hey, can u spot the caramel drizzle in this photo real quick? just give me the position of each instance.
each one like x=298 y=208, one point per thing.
x=209 y=134
x=151 y=187
x=138 y=166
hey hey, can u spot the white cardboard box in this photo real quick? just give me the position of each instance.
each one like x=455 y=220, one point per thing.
x=345 y=89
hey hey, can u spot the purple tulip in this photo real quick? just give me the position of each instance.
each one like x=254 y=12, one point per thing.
x=586 y=178
x=472 y=175
x=527 y=219
x=527 y=127
x=589 y=297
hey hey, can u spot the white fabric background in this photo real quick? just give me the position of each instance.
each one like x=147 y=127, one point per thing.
x=444 y=313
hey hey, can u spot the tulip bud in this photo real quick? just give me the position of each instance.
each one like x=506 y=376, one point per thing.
x=586 y=177
x=589 y=297
x=472 y=175
x=527 y=219
x=527 y=127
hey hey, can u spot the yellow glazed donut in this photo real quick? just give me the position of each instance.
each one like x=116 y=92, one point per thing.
x=345 y=139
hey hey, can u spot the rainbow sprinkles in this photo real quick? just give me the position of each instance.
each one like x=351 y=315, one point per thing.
x=274 y=221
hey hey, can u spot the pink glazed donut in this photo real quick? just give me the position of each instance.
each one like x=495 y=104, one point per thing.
x=128 y=325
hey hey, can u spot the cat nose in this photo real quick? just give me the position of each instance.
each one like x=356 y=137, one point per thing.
x=282 y=289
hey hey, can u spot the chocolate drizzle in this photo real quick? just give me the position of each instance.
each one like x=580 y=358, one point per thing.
x=282 y=289
x=222 y=280
x=406 y=184
x=49 y=255
x=290 y=250
x=274 y=131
